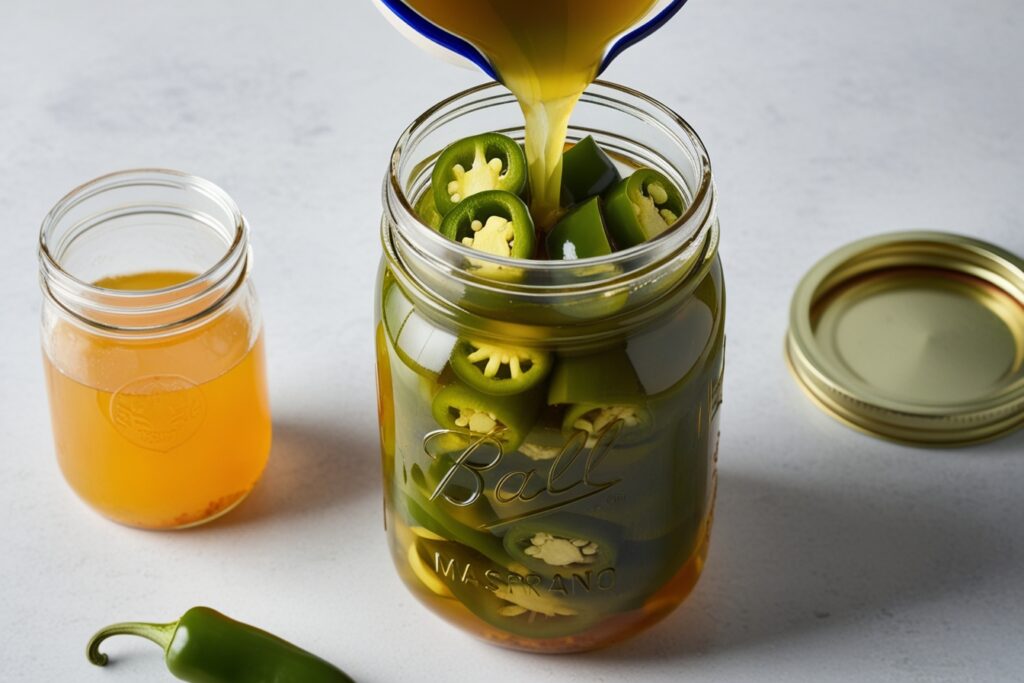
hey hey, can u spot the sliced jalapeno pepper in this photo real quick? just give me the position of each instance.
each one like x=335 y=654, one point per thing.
x=499 y=369
x=543 y=443
x=454 y=524
x=580 y=234
x=506 y=418
x=426 y=209
x=564 y=544
x=426 y=575
x=594 y=418
x=599 y=390
x=494 y=222
x=490 y=161
x=520 y=603
x=641 y=207
x=586 y=172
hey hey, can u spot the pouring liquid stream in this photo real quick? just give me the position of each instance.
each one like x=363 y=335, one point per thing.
x=546 y=52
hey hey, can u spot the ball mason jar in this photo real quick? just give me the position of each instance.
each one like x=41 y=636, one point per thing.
x=152 y=346
x=577 y=512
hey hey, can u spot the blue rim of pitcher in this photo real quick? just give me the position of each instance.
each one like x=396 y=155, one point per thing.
x=463 y=48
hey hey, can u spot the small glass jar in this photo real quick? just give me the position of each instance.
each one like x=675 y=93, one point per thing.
x=153 y=350
x=573 y=512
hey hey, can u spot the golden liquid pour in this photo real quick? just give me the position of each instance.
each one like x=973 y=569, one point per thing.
x=161 y=432
x=546 y=52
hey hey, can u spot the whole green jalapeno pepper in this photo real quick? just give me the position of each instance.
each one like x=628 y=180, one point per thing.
x=499 y=369
x=641 y=207
x=494 y=222
x=586 y=172
x=506 y=418
x=204 y=646
x=490 y=161
x=580 y=234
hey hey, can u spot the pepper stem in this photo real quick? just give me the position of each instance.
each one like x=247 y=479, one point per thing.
x=161 y=634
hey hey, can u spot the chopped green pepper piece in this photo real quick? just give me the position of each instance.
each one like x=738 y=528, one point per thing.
x=506 y=418
x=641 y=207
x=497 y=368
x=490 y=161
x=494 y=222
x=563 y=544
x=586 y=172
x=207 y=647
x=580 y=234
x=604 y=376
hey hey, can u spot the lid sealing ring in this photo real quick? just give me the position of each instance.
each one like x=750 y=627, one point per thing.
x=917 y=337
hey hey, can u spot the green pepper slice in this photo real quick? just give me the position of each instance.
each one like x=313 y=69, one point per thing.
x=598 y=391
x=519 y=603
x=586 y=172
x=506 y=418
x=594 y=418
x=454 y=524
x=564 y=545
x=490 y=161
x=543 y=443
x=641 y=207
x=207 y=647
x=580 y=234
x=499 y=369
x=494 y=222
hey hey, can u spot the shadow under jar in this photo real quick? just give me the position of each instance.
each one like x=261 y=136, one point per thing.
x=153 y=348
x=576 y=512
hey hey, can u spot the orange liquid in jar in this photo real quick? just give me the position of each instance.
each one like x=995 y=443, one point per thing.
x=162 y=432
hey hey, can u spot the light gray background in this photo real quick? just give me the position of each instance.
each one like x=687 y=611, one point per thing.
x=835 y=556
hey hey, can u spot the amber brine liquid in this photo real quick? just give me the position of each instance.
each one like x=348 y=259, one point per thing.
x=163 y=432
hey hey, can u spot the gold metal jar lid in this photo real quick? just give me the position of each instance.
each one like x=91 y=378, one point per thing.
x=915 y=336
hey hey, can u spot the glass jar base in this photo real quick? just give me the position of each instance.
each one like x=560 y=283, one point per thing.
x=612 y=630
x=617 y=628
x=214 y=511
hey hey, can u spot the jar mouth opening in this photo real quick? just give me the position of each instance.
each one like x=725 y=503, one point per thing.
x=51 y=255
x=601 y=268
x=176 y=206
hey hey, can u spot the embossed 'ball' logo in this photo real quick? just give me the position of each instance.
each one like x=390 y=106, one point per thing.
x=159 y=412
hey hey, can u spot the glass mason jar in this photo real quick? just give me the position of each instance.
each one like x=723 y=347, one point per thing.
x=152 y=346
x=576 y=512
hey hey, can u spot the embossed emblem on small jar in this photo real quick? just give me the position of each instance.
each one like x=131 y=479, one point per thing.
x=158 y=413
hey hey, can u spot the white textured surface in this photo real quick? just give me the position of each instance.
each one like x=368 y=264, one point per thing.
x=835 y=556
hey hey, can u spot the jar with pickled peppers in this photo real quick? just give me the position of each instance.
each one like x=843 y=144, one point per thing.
x=549 y=395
